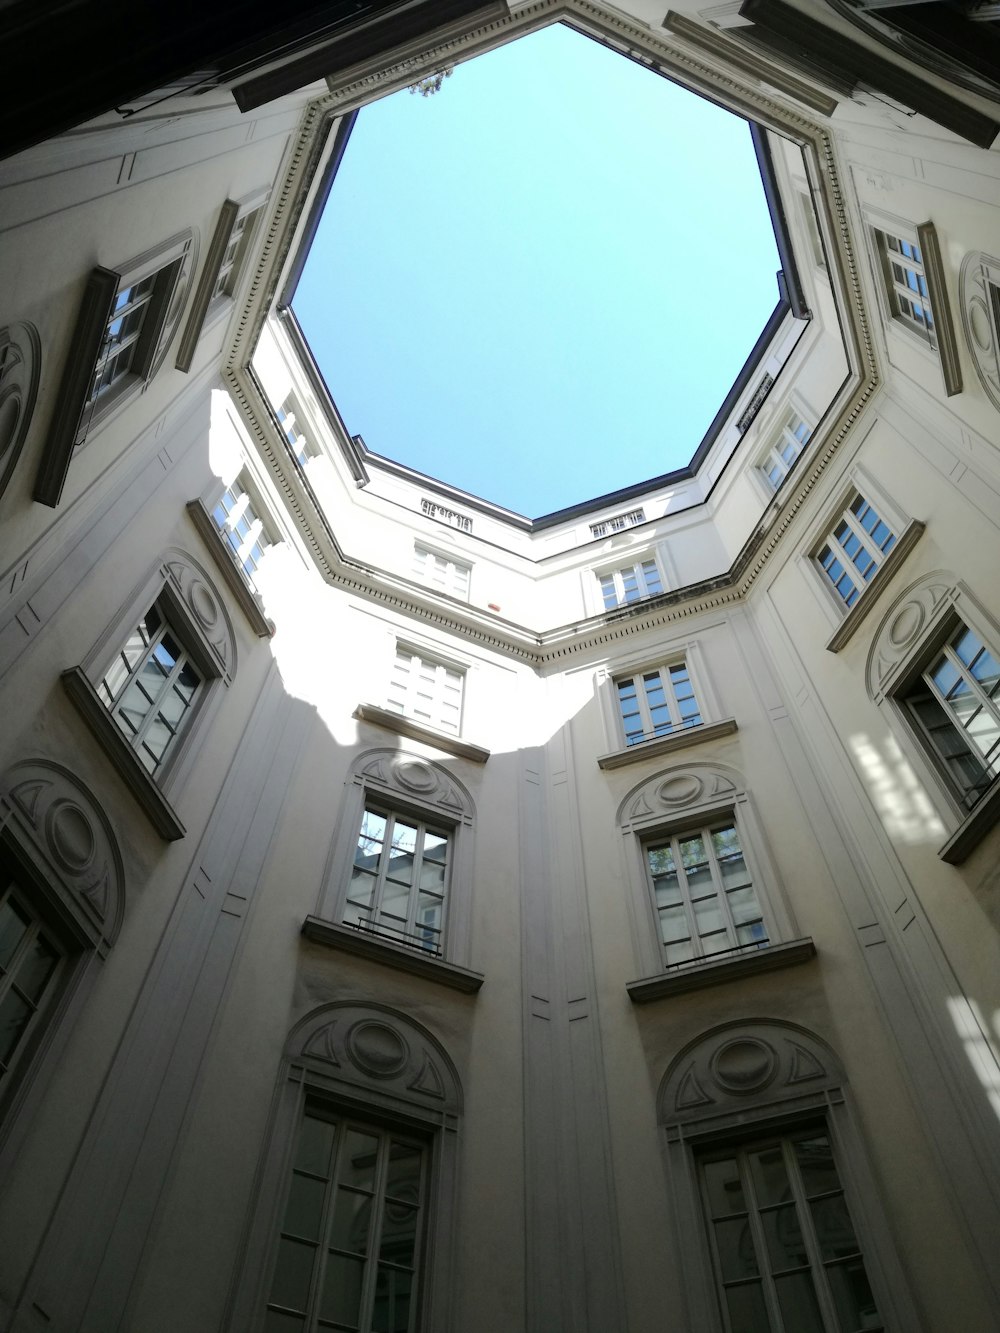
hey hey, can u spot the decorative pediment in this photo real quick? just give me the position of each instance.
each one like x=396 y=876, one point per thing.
x=192 y=587
x=66 y=835
x=694 y=786
x=376 y=1051
x=903 y=626
x=411 y=778
x=757 y=1063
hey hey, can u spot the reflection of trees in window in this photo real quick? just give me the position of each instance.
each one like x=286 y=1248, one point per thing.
x=349 y=1251
x=785 y=1252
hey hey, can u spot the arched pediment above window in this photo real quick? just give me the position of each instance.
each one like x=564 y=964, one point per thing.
x=745 y=1065
x=684 y=790
x=203 y=604
x=373 y=1052
x=406 y=777
x=905 y=626
x=61 y=831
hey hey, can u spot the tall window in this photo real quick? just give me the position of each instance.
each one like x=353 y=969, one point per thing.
x=955 y=703
x=399 y=879
x=150 y=689
x=784 y=1250
x=630 y=583
x=349 y=1254
x=429 y=691
x=126 y=336
x=441 y=572
x=782 y=454
x=656 y=703
x=30 y=961
x=703 y=896
x=288 y=418
x=234 y=254
x=905 y=283
x=851 y=555
x=242 y=527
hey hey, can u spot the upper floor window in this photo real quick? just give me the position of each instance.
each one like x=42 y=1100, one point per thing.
x=399 y=879
x=703 y=895
x=349 y=1251
x=617 y=523
x=954 y=703
x=856 y=548
x=793 y=438
x=784 y=1248
x=150 y=688
x=905 y=283
x=630 y=583
x=442 y=572
x=234 y=255
x=429 y=691
x=289 y=418
x=656 y=703
x=237 y=519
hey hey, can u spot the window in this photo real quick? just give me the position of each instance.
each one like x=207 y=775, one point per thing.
x=784 y=1249
x=954 y=704
x=234 y=254
x=656 y=703
x=851 y=556
x=429 y=691
x=399 y=879
x=630 y=583
x=703 y=896
x=777 y=462
x=124 y=326
x=905 y=283
x=242 y=527
x=150 y=688
x=349 y=1253
x=618 y=523
x=30 y=965
x=441 y=572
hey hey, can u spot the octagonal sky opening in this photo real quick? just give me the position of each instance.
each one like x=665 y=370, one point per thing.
x=539 y=283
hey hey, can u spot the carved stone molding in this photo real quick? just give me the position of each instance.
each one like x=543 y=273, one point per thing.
x=64 y=833
x=906 y=622
x=979 y=302
x=676 y=791
x=189 y=582
x=745 y=1064
x=374 y=1051
x=411 y=778
x=20 y=366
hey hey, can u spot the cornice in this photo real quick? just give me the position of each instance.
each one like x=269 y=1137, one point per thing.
x=691 y=68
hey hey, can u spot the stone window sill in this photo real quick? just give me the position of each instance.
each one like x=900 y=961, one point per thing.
x=221 y=552
x=973 y=828
x=160 y=812
x=706 y=972
x=678 y=740
x=845 y=630
x=364 y=945
x=416 y=731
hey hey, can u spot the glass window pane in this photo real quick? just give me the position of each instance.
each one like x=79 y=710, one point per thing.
x=15 y=1015
x=783 y=1235
x=292 y=1274
x=832 y=1224
x=305 y=1207
x=399 y=1233
x=852 y=1296
x=13 y=925
x=276 y=1321
x=674 y=924
x=352 y=1215
x=393 y=1295
x=724 y=1187
x=315 y=1145
x=797 y=1299
x=747 y=1313
x=403 y=1176
x=735 y=1247
x=340 y=1300
x=35 y=968
x=357 y=1166
x=770 y=1179
x=814 y=1158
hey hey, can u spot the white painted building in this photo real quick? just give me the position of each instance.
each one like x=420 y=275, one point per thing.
x=416 y=917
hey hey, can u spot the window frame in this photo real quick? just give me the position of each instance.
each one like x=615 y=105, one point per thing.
x=441 y=663
x=877 y=552
x=891 y=250
x=449 y=587
x=263 y=525
x=79 y=415
x=772 y=456
x=192 y=606
x=299 y=441
x=638 y=570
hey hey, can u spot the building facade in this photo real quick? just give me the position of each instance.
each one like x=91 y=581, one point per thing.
x=419 y=917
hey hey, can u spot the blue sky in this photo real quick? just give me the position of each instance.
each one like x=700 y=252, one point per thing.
x=539 y=283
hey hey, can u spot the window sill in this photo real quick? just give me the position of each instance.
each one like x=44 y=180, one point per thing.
x=363 y=945
x=160 y=812
x=416 y=731
x=248 y=600
x=845 y=630
x=973 y=828
x=678 y=740
x=698 y=975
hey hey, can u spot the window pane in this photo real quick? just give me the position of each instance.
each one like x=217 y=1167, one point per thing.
x=770 y=1179
x=797 y=1299
x=305 y=1207
x=399 y=1233
x=292 y=1274
x=403 y=1175
x=832 y=1224
x=340 y=1300
x=746 y=1309
x=352 y=1215
x=13 y=925
x=15 y=1015
x=393 y=1292
x=785 y=1247
x=358 y=1165
x=724 y=1187
x=852 y=1296
x=734 y=1245
x=315 y=1145
x=35 y=969
x=814 y=1158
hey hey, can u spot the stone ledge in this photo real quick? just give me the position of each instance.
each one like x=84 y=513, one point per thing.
x=717 y=973
x=365 y=945
x=160 y=812
x=415 y=731
x=845 y=630
x=677 y=740
x=973 y=828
